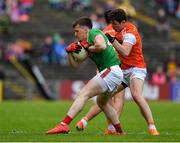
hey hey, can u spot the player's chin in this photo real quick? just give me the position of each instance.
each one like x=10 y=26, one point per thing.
x=80 y=39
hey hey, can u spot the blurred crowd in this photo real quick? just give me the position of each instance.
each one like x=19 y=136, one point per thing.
x=170 y=71
x=19 y=48
x=171 y=7
x=14 y=11
x=72 y=5
x=162 y=25
x=53 y=50
x=164 y=8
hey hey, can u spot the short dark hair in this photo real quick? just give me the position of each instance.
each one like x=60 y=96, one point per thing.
x=118 y=15
x=83 y=21
x=106 y=16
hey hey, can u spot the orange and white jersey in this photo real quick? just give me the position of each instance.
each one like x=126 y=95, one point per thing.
x=135 y=59
x=109 y=30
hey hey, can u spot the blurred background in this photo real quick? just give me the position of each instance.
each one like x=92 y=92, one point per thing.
x=35 y=33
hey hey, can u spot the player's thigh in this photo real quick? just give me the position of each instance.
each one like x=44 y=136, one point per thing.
x=136 y=86
x=102 y=99
x=91 y=89
x=119 y=96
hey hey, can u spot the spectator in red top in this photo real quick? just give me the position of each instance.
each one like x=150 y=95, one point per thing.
x=159 y=77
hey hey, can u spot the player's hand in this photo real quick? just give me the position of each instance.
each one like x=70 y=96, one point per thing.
x=84 y=44
x=110 y=38
x=73 y=47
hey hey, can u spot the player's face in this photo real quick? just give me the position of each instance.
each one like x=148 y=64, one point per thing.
x=80 y=32
x=117 y=26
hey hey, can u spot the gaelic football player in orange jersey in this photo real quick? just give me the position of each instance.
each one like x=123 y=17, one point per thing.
x=133 y=64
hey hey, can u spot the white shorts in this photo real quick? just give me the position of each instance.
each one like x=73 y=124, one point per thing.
x=110 y=78
x=134 y=72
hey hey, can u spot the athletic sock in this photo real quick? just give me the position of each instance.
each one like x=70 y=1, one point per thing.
x=84 y=120
x=118 y=127
x=67 y=120
x=111 y=127
x=151 y=125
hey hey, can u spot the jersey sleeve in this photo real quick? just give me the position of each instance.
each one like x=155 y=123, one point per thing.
x=129 y=38
x=130 y=35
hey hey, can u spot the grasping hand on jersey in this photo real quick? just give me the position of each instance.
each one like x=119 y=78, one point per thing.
x=110 y=38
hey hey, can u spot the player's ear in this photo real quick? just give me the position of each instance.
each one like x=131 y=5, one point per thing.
x=123 y=21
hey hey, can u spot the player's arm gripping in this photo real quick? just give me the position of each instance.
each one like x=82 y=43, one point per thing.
x=99 y=44
x=124 y=48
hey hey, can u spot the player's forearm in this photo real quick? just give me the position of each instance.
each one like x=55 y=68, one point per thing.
x=96 y=48
x=121 y=48
x=99 y=44
x=72 y=62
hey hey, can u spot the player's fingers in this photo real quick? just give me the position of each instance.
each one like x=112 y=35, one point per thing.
x=78 y=49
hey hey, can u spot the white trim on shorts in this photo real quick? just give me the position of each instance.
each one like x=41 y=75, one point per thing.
x=111 y=81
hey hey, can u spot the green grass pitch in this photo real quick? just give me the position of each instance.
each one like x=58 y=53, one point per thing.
x=28 y=121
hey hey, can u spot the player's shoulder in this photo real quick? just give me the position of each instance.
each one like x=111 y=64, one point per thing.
x=95 y=30
x=108 y=27
x=109 y=30
x=130 y=27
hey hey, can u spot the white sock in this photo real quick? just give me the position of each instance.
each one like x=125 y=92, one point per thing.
x=84 y=122
x=151 y=126
x=111 y=127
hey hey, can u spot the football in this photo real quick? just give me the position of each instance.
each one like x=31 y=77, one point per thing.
x=81 y=55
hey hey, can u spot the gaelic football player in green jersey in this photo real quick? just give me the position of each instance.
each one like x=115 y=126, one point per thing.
x=105 y=84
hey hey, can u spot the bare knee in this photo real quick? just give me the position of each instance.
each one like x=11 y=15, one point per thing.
x=119 y=98
x=137 y=97
x=136 y=87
